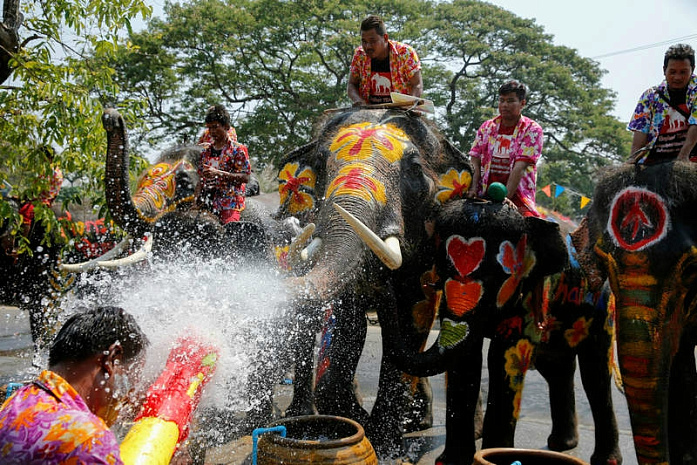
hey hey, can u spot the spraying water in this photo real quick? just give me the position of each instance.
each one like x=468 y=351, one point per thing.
x=239 y=308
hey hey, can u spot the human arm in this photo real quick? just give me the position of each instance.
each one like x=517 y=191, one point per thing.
x=209 y=172
x=416 y=84
x=476 y=174
x=514 y=178
x=639 y=141
x=352 y=90
x=690 y=141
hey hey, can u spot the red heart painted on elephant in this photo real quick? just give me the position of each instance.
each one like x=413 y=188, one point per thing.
x=465 y=255
x=462 y=296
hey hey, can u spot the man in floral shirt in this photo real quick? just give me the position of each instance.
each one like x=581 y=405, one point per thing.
x=64 y=416
x=507 y=149
x=665 y=119
x=381 y=66
x=224 y=169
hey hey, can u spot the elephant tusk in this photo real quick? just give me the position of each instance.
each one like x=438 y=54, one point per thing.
x=309 y=252
x=295 y=248
x=136 y=257
x=92 y=264
x=388 y=251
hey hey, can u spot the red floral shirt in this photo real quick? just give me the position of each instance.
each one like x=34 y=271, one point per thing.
x=225 y=195
x=404 y=63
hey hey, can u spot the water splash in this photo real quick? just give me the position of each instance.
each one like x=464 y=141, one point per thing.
x=239 y=308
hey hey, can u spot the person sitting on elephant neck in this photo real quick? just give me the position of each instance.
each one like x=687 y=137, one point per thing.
x=380 y=66
x=224 y=169
x=507 y=149
x=64 y=416
x=665 y=119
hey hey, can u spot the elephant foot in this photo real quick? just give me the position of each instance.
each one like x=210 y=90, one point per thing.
x=612 y=458
x=417 y=420
x=445 y=459
x=560 y=443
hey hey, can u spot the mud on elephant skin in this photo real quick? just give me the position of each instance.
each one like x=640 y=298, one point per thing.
x=162 y=204
x=643 y=231
x=388 y=169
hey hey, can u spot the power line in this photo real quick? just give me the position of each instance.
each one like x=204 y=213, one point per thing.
x=644 y=47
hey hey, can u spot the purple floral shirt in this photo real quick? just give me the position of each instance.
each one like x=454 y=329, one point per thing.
x=526 y=145
x=404 y=63
x=51 y=424
x=651 y=110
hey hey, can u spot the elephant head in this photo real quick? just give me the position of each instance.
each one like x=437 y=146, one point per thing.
x=644 y=232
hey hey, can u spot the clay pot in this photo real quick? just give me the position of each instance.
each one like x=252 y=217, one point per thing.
x=316 y=439
x=506 y=456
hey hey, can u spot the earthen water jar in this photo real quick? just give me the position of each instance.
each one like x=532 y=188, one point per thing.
x=506 y=456
x=316 y=439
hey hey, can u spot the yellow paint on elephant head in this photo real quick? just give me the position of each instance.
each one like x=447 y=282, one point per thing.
x=296 y=186
x=365 y=140
x=158 y=186
x=453 y=185
x=357 y=180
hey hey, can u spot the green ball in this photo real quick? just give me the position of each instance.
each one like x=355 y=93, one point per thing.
x=497 y=192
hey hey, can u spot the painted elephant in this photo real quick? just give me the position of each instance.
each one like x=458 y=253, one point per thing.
x=388 y=169
x=162 y=203
x=644 y=233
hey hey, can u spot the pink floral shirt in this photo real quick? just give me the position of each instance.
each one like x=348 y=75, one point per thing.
x=47 y=422
x=404 y=63
x=526 y=145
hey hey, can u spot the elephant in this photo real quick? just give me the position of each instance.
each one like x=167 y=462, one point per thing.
x=162 y=204
x=642 y=235
x=387 y=169
x=518 y=282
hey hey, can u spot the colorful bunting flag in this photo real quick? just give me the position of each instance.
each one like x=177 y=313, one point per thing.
x=584 y=201
x=547 y=190
x=558 y=190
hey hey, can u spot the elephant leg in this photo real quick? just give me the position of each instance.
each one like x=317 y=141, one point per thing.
x=303 y=392
x=558 y=369
x=594 y=364
x=505 y=391
x=341 y=346
x=384 y=429
x=462 y=394
x=682 y=416
x=419 y=409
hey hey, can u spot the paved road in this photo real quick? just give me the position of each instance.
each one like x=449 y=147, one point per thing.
x=533 y=427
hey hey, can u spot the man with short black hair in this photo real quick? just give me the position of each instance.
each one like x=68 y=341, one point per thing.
x=665 y=119
x=507 y=149
x=381 y=66
x=64 y=416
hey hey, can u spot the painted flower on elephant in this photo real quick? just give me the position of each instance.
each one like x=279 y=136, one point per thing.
x=158 y=186
x=453 y=185
x=578 y=331
x=518 y=360
x=516 y=261
x=357 y=180
x=296 y=187
x=463 y=293
x=364 y=140
x=510 y=327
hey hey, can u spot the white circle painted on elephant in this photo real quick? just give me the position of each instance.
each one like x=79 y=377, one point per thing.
x=638 y=219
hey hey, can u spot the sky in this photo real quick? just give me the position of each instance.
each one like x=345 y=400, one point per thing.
x=626 y=37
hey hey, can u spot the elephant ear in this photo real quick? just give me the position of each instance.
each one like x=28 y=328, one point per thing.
x=454 y=173
x=584 y=240
x=297 y=182
x=549 y=247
